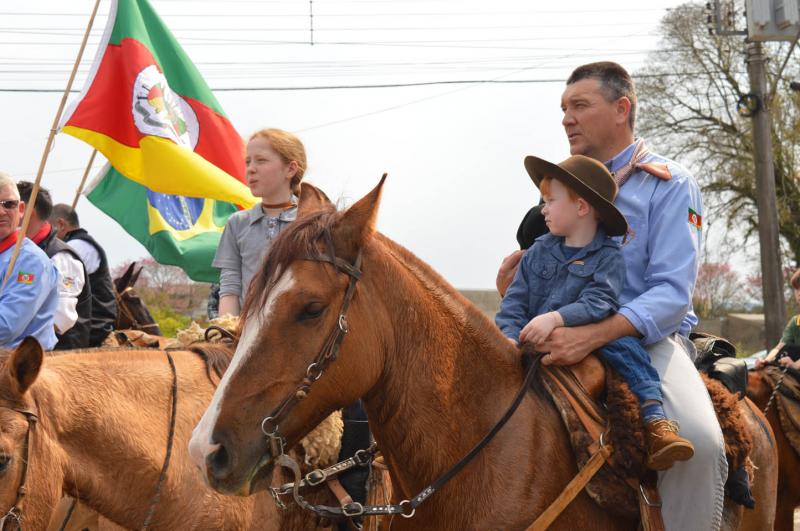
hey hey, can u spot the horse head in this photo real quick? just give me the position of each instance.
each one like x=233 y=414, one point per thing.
x=17 y=420
x=132 y=314
x=307 y=346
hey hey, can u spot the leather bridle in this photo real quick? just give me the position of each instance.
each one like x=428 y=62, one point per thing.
x=270 y=425
x=13 y=518
x=123 y=308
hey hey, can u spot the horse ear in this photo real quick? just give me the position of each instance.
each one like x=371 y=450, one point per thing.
x=26 y=360
x=357 y=224
x=135 y=277
x=122 y=282
x=311 y=199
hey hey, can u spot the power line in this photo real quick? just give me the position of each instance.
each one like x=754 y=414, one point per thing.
x=385 y=85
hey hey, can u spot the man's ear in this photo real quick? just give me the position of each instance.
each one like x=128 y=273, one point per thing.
x=623 y=110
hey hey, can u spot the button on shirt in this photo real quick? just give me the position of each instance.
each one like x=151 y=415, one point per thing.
x=245 y=240
x=663 y=248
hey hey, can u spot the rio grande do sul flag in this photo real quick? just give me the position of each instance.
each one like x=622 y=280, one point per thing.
x=176 y=230
x=146 y=108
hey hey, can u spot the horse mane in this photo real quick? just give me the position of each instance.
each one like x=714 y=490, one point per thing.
x=298 y=239
x=217 y=357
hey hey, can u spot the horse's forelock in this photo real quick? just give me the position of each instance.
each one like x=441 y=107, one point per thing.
x=297 y=241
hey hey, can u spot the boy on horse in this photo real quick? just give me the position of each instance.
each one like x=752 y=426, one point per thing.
x=573 y=276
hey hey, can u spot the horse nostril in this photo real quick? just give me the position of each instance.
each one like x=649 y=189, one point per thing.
x=218 y=463
x=5 y=460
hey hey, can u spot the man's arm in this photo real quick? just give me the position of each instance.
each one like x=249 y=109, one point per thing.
x=673 y=248
x=23 y=295
x=70 y=285
x=569 y=345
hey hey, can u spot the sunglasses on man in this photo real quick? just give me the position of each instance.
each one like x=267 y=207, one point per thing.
x=10 y=204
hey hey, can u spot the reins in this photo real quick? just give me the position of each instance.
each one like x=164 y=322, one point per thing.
x=14 y=514
x=778 y=384
x=170 y=438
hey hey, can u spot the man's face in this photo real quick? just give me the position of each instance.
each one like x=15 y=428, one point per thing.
x=590 y=121
x=11 y=210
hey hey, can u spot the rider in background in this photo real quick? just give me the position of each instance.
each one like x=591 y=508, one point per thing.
x=275 y=163
x=29 y=297
x=790 y=340
x=104 y=303
x=73 y=316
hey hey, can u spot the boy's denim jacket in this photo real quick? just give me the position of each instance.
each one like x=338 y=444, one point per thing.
x=583 y=289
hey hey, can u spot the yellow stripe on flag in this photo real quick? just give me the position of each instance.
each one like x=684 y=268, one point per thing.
x=165 y=167
x=204 y=223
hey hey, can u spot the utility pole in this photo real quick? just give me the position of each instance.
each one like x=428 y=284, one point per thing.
x=766 y=20
x=768 y=236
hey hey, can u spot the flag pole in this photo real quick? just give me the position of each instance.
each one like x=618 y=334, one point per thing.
x=53 y=130
x=83 y=180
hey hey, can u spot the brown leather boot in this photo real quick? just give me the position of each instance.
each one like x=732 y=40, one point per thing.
x=664 y=445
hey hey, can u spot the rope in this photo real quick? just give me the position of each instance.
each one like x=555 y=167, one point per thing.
x=170 y=437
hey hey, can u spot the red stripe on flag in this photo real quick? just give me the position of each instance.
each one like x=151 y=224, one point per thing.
x=107 y=108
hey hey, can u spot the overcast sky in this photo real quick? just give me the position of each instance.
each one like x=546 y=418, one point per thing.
x=457 y=187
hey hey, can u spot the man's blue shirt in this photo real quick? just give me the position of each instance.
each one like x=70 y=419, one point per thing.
x=663 y=247
x=29 y=299
x=583 y=287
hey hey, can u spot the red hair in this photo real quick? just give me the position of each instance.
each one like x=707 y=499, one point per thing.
x=544 y=187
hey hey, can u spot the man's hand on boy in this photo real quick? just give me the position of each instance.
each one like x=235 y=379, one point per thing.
x=540 y=327
x=507 y=271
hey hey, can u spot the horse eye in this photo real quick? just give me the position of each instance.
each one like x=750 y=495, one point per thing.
x=311 y=311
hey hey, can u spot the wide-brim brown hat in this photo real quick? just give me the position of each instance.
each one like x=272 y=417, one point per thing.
x=590 y=179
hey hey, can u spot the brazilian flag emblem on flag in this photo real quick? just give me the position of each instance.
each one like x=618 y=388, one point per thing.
x=176 y=230
x=176 y=162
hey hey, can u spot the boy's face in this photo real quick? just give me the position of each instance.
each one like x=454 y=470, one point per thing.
x=561 y=212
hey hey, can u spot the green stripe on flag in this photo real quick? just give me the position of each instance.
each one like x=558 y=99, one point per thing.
x=136 y=19
x=126 y=202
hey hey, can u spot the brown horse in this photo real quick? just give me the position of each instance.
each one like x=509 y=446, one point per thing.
x=132 y=314
x=759 y=391
x=434 y=372
x=101 y=437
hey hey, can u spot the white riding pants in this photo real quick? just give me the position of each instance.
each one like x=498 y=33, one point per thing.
x=692 y=491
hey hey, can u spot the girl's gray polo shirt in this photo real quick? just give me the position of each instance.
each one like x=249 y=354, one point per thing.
x=245 y=240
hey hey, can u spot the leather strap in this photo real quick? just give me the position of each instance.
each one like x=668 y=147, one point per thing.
x=584 y=407
x=571 y=490
x=650 y=508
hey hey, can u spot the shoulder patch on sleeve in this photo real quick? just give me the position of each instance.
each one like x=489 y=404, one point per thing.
x=656 y=169
x=25 y=278
x=695 y=219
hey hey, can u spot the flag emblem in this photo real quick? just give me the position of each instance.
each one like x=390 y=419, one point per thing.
x=158 y=111
x=25 y=278
x=695 y=219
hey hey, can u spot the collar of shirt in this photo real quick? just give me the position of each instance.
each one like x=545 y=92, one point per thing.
x=256 y=213
x=554 y=243
x=621 y=159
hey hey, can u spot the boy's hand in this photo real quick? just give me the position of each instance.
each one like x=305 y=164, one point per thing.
x=539 y=328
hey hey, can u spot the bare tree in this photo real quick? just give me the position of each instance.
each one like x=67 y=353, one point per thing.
x=688 y=94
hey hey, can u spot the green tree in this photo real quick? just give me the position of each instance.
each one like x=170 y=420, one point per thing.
x=687 y=98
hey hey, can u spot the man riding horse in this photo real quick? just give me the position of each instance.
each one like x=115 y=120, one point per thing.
x=662 y=203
